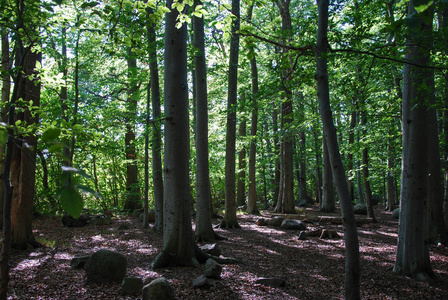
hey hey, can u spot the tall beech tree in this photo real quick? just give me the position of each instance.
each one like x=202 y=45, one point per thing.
x=178 y=238
x=352 y=269
x=412 y=257
x=230 y=220
x=204 y=229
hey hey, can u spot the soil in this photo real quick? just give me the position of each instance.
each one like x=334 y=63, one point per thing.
x=312 y=269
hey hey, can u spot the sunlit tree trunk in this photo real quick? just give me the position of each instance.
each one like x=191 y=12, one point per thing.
x=178 y=237
x=352 y=269
x=241 y=181
x=412 y=251
x=230 y=219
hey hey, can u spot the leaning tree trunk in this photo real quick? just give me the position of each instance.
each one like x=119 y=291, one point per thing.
x=230 y=219
x=412 y=251
x=178 y=238
x=352 y=270
x=204 y=229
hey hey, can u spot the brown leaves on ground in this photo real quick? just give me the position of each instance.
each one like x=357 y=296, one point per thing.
x=312 y=269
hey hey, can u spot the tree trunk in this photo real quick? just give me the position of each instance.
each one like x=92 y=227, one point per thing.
x=327 y=204
x=230 y=219
x=204 y=229
x=132 y=187
x=285 y=202
x=157 y=171
x=352 y=270
x=351 y=140
x=23 y=164
x=241 y=183
x=412 y=251
x=178 y=238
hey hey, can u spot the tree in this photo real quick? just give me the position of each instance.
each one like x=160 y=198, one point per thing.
x=352 y=270
x=230 y=219
x=327 y=204
x=412 y=258
x=204 y=230
x=178 y=239
x=285 y=203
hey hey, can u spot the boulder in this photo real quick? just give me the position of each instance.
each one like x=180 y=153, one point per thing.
x=315 y=232
x=158 y=289
x=151 y=216
x=136 y=213
x=131 y=286
x=293 y=224
x=212 y=249
x=69 y=221
x=396 y=213
x=276 y=221
x=272 y=282
x=105 y=266
x=212 y=269
x=79 y=262
x=303 y=236
x=360 y=209
x=201 y=282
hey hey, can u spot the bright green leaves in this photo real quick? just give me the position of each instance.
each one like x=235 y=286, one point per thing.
x=51 y=134
x=89 y=4
x=71 y=201
x=3 y=134
x=421 y=7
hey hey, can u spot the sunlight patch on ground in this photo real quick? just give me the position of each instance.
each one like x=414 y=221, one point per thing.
x=144 y=273
x=319 y=277
x=97 y=238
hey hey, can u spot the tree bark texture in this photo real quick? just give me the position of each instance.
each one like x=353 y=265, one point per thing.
x=412 y=257
x=204 y=229
x=352 y=269
x=178 y=238
x=241 y=183
x=230 y=219
x=327 y=204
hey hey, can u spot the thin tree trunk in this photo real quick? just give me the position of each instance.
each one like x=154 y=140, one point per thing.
x=241 y=181
x=327 y=204
x=157 y=171
x=352 y=269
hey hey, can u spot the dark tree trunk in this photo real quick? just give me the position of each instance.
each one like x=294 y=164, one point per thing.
x=412 y=250
x=241 y=183
x=157 y=171
x=327 y=204
x=230 y=219
x=352 y=269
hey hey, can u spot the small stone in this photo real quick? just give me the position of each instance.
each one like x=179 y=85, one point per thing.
x=212 y=249
x=303 y=236
x=158 y=289
x=293 y=224
x=261 y=222
x=276 y=221
x=201 y=282
x=212 y=269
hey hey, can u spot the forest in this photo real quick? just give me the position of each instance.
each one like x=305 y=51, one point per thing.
x=233 y=149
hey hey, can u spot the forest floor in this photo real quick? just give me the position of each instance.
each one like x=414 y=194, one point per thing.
x=312 y=269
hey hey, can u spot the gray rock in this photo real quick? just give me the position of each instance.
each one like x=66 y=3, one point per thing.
x=79 y=262
x=69 y=221
x=293 y=224
x=360 y=209
x=201 y=282
x=261 y=222
x=396 y=213
x=105 y=266
x=303 y=236
x=131 y=286
x=101 y=220
x=212 y=249
x=151 y=216
x=276 y=221
x=212 y=269
x=158 y=289
x=272 y=282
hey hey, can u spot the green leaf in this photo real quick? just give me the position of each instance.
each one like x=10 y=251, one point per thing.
x=56 y=148
x=89 y=190
x=71 y=201
x=3 y=135
x=50 y=134
x=89 y=4
x=422 y=7
x=68 y=169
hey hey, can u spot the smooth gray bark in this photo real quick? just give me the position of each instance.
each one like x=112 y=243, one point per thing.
x=352 y=260
x=178 y=238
